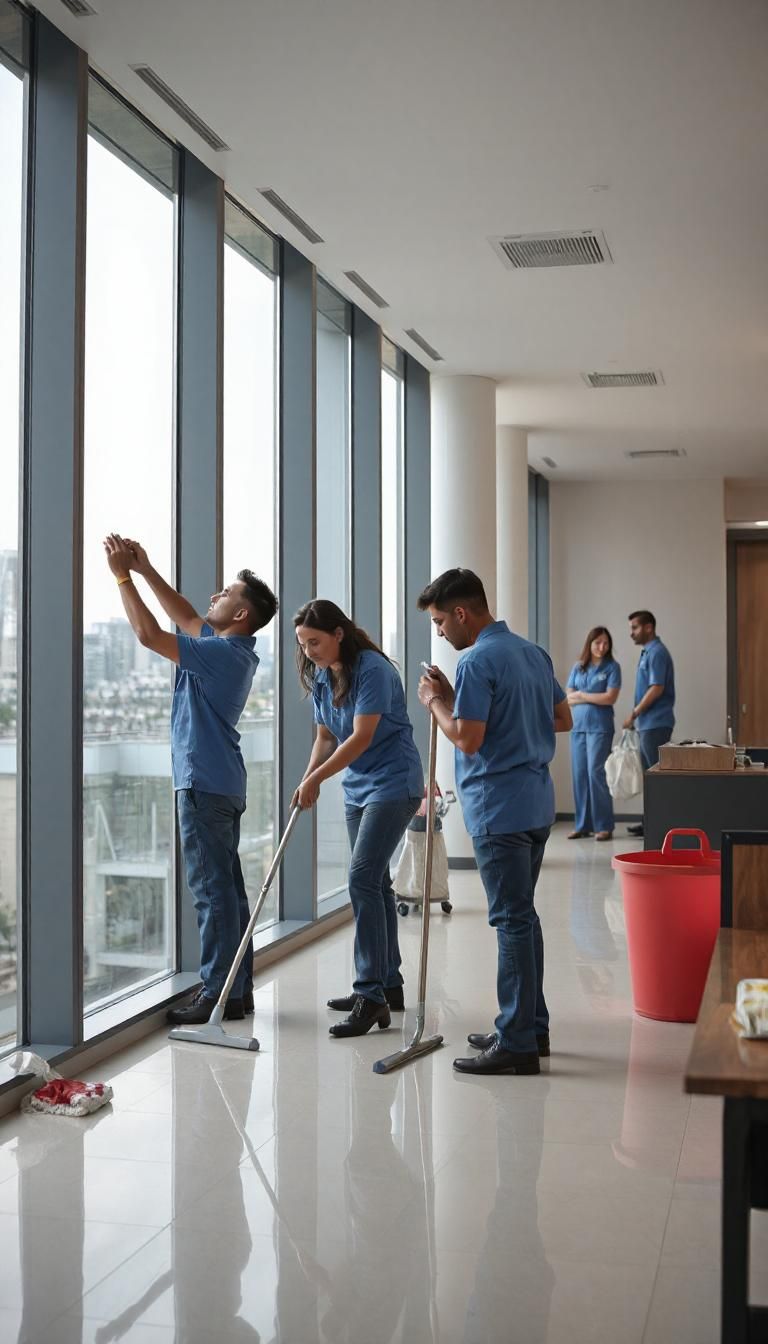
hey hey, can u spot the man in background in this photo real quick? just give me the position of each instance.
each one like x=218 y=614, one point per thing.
x=654 y=710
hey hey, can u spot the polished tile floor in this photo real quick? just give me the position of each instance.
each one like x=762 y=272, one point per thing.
x=296 y=1196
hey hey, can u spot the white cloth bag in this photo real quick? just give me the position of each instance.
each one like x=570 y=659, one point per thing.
x=624 y=767
x=409 y=875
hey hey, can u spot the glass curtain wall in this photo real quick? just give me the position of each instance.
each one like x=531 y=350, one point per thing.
x=333 y=532
x=250 y=509
x=129 y=474
x=13 y=121
x=392 y=507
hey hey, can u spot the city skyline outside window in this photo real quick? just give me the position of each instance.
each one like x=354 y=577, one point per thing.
x=392 y=520
x=250 y=507
x=128 y=827
x=333 y=555
x=12 y=141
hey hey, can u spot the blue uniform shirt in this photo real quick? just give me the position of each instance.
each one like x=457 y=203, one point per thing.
x=508 y=684
x=656 y=669
x=594 y=679
x=390 y=768
x=213 y=680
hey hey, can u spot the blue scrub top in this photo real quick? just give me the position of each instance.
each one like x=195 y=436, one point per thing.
x=389 y=770
x=508 y=684
x=594 y=679
x=656 y=669
x=213 y=681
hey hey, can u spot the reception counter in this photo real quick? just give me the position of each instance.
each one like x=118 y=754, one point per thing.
x=711 y=800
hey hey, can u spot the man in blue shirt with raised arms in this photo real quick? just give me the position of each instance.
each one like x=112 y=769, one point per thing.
x=501 y=718
x=216 y=660
x=653 y=714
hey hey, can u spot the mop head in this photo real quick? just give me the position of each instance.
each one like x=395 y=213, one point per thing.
x=59 y=1096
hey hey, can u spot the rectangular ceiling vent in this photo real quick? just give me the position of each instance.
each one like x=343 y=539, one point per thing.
x=79 y=8
x=639 y=454
x=648 y=378
x=423 y=345
x=177 y=105
x=283 y=208
x=365 y=288
x=531 y=251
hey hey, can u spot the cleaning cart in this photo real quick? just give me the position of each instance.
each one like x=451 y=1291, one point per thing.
x=408 y=879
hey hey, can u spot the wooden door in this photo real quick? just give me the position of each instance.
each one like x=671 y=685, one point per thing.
x=750 y=727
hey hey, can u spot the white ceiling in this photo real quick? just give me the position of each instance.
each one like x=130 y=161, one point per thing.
x=409 y=131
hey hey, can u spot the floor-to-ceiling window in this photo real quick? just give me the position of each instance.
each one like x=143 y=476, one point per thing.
x=333 y=532
x=129 y=474
x=12 y=157
x=392 y=506
x=250 y=291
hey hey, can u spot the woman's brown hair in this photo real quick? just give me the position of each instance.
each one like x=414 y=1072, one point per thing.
x=320 y=614
x=586 y=652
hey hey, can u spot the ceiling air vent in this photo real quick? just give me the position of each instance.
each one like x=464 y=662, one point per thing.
x=550 y=462
x=639 y=454
x=283 y=208
x=530 y=251
x=423 y=345
x=648 y=378
x=177 y=105
x=79 y=8
x=366 y=289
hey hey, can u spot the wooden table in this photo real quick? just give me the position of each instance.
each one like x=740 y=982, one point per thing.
x=722 y=1064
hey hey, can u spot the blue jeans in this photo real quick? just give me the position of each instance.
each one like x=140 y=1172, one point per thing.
x=209 y=829
x=374 y=833
x=650 y=741
x=593 y=802
x=509 y=867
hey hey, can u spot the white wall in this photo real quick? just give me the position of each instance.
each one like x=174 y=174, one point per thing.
x=616 y=547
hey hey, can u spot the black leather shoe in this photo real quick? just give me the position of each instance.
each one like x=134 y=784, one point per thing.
x=365 y=1014
x=635 y=830
x=498 y=1060
x=200 y=1009
x=481 y=1041
x=394 y=997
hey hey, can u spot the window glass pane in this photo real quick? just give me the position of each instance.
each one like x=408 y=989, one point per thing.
x=12 y=120
x=129 y=488
x=392 y=535
x=249 y=518
x=332 y=488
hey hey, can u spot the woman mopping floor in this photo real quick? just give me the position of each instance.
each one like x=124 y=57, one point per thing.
x=363 y=729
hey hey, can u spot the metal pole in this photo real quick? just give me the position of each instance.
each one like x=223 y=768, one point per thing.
x=417 y=1046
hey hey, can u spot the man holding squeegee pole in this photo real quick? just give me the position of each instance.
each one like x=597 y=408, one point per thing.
x=502 y=718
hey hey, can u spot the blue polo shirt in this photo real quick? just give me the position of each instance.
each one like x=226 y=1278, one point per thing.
x=656 y=669
x=389 y=770
x=213 y=681
x=508 y=684
x=595 y=679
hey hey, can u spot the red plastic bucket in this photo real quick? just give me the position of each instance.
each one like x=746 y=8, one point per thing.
x=672 y=914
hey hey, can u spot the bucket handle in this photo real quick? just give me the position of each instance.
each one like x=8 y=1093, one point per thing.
x=670 y=837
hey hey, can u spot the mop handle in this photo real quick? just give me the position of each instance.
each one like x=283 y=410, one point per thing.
x=269 y=879
x=428 y=852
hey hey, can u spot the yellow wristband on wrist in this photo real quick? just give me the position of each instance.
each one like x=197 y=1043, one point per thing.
x=127 y=579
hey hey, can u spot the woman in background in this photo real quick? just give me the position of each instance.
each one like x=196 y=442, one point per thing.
x=363 y=729
x=593 y=689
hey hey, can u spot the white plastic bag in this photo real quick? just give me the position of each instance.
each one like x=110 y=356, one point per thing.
x=409 y=877
x=624 y=767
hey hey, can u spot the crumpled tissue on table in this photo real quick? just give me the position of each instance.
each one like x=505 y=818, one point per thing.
x=750 y=1016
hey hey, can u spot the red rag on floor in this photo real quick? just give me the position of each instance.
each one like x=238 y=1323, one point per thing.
x=60 y=1091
